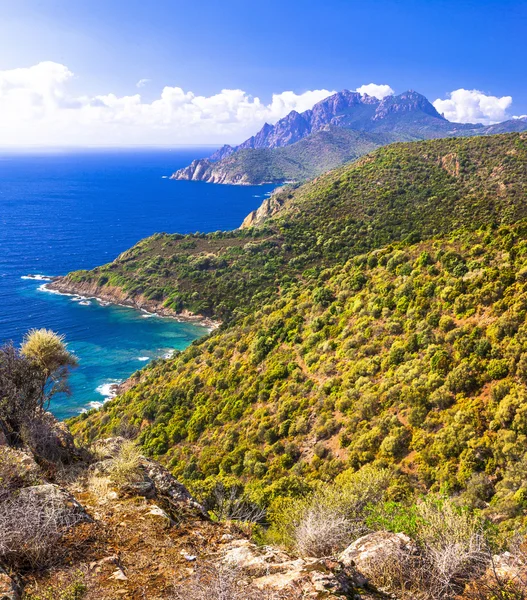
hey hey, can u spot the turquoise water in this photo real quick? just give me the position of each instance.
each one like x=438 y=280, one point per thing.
x=65 y=211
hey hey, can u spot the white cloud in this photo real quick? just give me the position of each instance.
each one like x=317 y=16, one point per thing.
x=37 y=108
x=473 y=106
x=142 y=82
x=379 y=91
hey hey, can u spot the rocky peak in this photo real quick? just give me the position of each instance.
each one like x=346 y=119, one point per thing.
x=407 y=102
x=223 y=152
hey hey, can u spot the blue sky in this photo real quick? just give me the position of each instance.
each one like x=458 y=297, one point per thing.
x=264 y=48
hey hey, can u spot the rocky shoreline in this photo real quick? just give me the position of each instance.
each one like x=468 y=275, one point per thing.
x=115 y=295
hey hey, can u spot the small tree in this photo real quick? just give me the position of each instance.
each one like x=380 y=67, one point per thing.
x=30 y=377
x=46 y=349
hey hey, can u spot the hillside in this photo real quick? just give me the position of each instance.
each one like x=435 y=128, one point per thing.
x=411 y=355
x=261 y=158
x=370 y=347
x=310 y=156
x=414 y=189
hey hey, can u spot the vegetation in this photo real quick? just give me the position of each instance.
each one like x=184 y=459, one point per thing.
x=371 y=369
x=307 y=158
x=29 y=378
x=403 y=191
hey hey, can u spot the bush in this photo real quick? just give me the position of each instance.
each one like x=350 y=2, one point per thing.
x=449 y=551
x=30 y=377
x=31 y=527
x=329 y=519
x=125 y=467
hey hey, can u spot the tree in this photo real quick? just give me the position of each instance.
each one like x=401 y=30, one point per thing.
x=30 y=377
x=47 y=350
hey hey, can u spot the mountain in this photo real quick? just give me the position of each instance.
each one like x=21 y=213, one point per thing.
x=408 y=116
x=370 y=369
x=317 y=153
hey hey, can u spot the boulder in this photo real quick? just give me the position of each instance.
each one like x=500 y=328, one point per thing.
x=508 y=566
x=375 y=545
x=19 y=466
x=50 y=494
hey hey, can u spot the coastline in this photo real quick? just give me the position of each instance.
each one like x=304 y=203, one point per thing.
x=117 y=297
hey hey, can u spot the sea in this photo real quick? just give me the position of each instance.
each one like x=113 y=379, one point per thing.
x=76 y=209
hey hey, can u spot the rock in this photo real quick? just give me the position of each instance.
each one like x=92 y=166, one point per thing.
x=119 y=575
x=160 y=514
x=51 y=440
x=268 y=208
x=168 y=487
x=272 y=568
x=374 y=546
x=8 y=588
x=190 y=557
x=154 y=482
x=509 y=567
x=51 y=494
x=145 y=488
x=21 y=467
x=107 y=448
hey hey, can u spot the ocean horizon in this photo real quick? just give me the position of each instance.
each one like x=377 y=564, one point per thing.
x=71 y=209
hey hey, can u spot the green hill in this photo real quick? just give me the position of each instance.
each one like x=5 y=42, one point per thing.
x=349 y=341
x=413 y=189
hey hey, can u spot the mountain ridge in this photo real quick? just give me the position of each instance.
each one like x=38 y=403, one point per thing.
x=405 y=117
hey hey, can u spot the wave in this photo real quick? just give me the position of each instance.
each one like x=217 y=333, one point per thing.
x=94 y=404
x=108 y=389
x=37 y=277
x=44 y=288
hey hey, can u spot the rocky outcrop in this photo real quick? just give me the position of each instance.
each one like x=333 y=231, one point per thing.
x=269 y=207
x=153 y=481
x=270 y=568
x=51 y=495
x=373 y=546
x=9 y=590
x=210 y=172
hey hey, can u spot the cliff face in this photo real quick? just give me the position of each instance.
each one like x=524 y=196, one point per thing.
x=268 y=208
x=116 y=295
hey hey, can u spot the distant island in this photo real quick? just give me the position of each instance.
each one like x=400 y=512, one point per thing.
x=335 y=131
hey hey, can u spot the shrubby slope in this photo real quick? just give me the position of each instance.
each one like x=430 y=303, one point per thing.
x=410 y=356
x=412 y=189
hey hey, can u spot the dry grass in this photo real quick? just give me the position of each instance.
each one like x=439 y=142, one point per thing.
x=125 y=467
x=31 y=528
x=224 y=582
x=500 y=583
x=450 y=552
